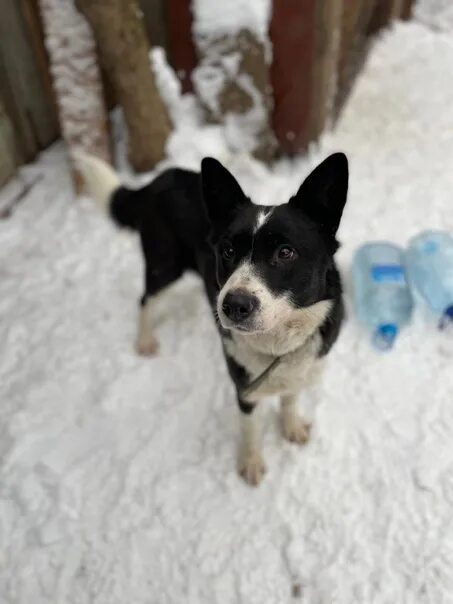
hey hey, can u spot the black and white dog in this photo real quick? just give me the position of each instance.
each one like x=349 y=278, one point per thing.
x=269 y=274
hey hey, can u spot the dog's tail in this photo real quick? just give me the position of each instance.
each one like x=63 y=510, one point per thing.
x=103 y=184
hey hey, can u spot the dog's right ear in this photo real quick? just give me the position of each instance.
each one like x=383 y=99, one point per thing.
x=221 y=192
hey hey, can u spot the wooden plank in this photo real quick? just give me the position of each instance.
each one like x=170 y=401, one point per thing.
x=305 y=56
x=407 y=8
x=154 y=17
x=124 y=53
x=350 y=24
x=27 y=97
x=356 y=20
x=384 y=12
x=35 y=32
x=293 y=38
x=181 y=48
x=327 y=51
x=8 y=153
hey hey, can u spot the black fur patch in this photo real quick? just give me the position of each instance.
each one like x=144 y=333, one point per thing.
x=240 y=378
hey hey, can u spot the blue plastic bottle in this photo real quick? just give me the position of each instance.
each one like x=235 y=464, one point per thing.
x=429 y=261
x=382 y=296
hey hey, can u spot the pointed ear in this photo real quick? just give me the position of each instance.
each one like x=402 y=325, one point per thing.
x=322 y=195
x=221 y=192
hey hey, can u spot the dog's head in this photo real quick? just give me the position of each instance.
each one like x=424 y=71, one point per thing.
x=272 y=260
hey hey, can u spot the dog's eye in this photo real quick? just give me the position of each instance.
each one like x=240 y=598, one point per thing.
x=285 y=253
x=227 y=251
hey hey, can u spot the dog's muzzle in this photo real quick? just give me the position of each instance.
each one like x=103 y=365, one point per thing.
x=239 y=307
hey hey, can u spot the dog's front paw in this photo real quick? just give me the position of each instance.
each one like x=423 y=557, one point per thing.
x=252 y=468
x=296 y=430
x=147 y=347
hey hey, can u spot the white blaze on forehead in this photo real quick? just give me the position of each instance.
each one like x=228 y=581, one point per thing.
x=263 y=216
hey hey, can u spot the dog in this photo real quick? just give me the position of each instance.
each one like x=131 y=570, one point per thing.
x=269 y=274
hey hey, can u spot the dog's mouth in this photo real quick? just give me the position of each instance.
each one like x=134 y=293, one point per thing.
x=244 y=327
x=244 y=330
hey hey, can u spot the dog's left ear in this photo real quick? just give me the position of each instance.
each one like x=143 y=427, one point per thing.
x=221 y=192
x=322 y=195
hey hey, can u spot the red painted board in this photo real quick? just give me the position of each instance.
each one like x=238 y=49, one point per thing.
x=293 y=37
x=181 y=48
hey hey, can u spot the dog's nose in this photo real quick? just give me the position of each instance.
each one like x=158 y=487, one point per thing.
x=239 y=305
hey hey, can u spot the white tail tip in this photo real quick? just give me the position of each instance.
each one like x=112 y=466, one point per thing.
x=99 y=178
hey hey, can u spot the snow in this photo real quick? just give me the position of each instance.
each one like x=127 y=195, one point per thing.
x=253 y=15
x=167 y=82
x=117 y=480
x=437 y=14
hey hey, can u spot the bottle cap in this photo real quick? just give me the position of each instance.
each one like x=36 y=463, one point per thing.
x=385 y=335
x=447 y=318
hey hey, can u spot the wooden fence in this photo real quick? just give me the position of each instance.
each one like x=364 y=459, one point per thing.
x=28 y=119
x=307 y=58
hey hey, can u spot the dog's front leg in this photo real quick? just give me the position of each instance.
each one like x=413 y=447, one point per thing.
x=251 y=464
x=294 y=428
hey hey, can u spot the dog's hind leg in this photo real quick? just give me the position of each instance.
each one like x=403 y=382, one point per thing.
x=146 y=343
x=157 y=279
x=163 y=266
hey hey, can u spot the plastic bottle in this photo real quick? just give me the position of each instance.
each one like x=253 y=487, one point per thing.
x=429 y=261
x=382 y=295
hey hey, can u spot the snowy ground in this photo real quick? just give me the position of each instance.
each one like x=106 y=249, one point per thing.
x=118 y=480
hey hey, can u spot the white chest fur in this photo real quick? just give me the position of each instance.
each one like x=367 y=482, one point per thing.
x=296 y=341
